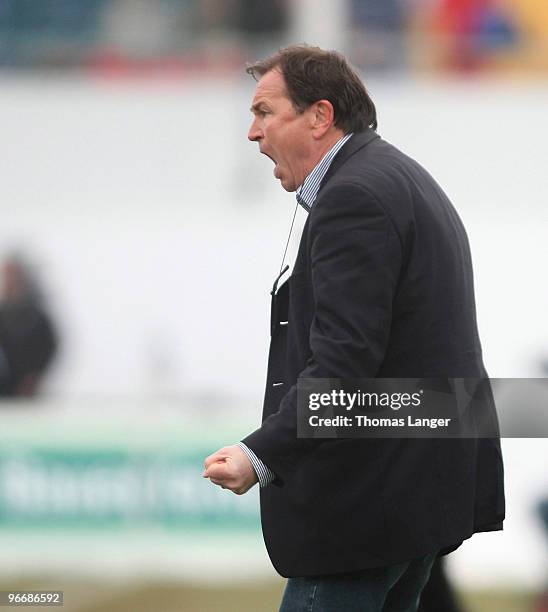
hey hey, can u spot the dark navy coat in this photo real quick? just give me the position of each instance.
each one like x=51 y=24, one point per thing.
x=382 y=287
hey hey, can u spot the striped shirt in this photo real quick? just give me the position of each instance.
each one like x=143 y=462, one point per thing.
x=308 y=191
x=264 y=474
x=306 y=195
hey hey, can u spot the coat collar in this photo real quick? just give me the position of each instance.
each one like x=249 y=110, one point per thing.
x=357 y=142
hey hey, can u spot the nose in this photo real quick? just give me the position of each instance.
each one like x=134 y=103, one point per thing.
x=254 y=133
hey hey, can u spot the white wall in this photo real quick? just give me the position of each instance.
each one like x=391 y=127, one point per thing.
x=160 y=229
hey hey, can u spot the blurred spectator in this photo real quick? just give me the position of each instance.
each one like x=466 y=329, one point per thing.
x=451 y=35
x=27 y=337
x=261 y=24
x=258 y=17
x=379 y=40
x=473 y=30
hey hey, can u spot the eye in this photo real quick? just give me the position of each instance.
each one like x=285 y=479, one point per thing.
x=261 y=111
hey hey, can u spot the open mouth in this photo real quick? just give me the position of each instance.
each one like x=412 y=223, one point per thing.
x=269 y=156
x=276 y=173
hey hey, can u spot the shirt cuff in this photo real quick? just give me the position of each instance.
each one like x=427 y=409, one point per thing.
x=264 y=474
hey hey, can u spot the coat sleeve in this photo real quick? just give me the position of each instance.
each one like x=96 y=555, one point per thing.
x=356 y=255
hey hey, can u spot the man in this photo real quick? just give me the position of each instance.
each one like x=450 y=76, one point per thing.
x=381 y=287
x=28 y=340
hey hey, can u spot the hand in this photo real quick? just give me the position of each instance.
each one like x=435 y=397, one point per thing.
x=230 y=468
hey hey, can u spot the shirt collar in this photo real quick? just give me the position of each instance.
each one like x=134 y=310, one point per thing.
x=306 y=194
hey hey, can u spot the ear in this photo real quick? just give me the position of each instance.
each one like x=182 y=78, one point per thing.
x=323 y=117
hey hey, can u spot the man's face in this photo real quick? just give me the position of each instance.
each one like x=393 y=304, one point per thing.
x=283 y=134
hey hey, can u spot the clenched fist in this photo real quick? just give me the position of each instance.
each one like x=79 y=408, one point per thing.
x=230 y=468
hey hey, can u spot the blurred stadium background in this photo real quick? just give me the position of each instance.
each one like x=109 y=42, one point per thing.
x=138 y=206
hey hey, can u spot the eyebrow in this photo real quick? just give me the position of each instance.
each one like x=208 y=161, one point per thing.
x=257 y=106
